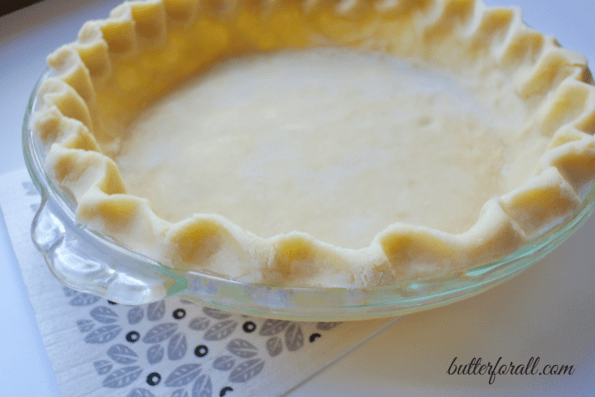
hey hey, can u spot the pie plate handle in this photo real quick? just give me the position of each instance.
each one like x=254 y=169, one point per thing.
x=83 y=260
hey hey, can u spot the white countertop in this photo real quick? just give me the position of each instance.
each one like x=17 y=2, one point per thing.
x=547 y=312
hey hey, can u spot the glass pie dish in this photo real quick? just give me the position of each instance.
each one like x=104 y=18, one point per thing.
x=78 y=116
x=92 y=262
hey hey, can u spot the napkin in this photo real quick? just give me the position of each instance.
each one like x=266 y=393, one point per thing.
x=172 y=348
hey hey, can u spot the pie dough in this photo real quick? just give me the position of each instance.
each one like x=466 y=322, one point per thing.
x=318 y=143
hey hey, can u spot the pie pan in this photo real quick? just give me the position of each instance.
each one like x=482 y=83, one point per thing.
x=89 y=261
x=406 y=268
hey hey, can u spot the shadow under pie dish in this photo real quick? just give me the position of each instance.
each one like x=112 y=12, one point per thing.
x=320 y=144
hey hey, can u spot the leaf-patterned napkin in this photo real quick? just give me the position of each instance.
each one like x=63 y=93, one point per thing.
x=172 y=348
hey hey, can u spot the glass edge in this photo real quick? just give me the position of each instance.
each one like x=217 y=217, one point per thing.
x=497 y=271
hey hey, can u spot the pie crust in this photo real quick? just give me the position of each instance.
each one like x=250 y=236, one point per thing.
x=144 y=50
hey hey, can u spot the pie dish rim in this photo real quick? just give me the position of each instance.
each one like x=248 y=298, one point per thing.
x=137 y=279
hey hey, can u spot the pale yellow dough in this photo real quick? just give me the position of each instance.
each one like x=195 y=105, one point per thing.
x=318 y=143
x=336 y=143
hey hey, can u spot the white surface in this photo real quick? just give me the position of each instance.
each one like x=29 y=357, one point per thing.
x=548 y=311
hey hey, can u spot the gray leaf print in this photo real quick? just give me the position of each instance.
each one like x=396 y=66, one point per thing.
x=246 y=370
x=104 y=315
x=102 y=367
x=176 y=348
x=199 y=324
x=69 y=292
x=85 y=325
x=140 y=393
x=83 y=299
x=202 y=387
x=180 y=393
x=220 y=330
x=183 y=375
x=135 y=315
x=216 y=314
x=242 y=348
x=294 y=338
x=122 y=354
x=224 y=363
x=122 y=377
x=160 y=332
x=155 y=354
x=186 y=302
x=34 y=207
x=326 y=326
x=273 y=327
x=29 y=188
x=274 y=346
x=155 y=311
x=103 y=334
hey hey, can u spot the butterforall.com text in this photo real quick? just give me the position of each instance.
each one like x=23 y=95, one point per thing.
x=476 y=367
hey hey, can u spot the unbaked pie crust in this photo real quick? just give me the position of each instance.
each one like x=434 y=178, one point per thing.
x=318 y=143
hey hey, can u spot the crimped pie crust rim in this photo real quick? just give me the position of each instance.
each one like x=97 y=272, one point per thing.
x=567 y=168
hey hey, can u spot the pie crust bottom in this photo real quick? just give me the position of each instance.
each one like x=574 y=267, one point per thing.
x=336 y=143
